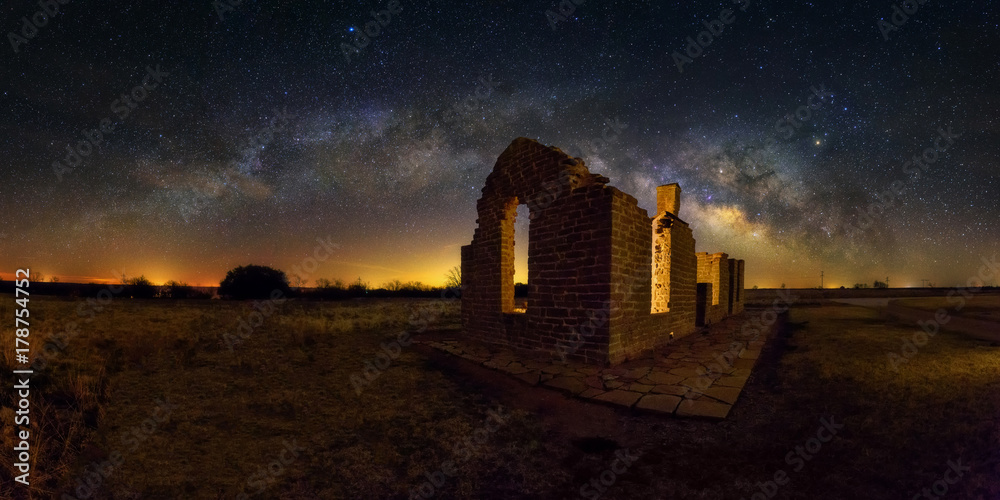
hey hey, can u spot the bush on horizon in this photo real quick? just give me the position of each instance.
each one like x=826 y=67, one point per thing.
x=253 y=282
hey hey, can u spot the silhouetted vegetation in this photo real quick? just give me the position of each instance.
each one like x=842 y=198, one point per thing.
x=176 y=290
x=140 y=288
x=326 y=289
x=453 y=278
x=180 y=290
x=253 y=282
x=358 y=288
x=337 y=290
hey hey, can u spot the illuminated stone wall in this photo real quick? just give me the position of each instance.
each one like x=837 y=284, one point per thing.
x=714 y=269
x=606 y=282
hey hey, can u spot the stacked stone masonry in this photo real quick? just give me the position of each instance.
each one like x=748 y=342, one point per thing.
x=606 y=282
x=714 y=269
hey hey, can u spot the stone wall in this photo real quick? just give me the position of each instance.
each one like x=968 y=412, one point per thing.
x=714 y=269
x=703 y=303
x=569 y=261
x=569 y=254
x=737 y=294
x=631 y=269
x=606 y=282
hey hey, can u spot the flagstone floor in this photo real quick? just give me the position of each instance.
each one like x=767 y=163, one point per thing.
x=700 y=375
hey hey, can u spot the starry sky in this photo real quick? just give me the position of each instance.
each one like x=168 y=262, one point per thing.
x=267 y=127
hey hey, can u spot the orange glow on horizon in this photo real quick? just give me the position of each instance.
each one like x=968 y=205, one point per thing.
x=426 y=272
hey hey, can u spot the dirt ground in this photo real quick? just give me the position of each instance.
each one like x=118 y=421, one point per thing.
x=788 y=407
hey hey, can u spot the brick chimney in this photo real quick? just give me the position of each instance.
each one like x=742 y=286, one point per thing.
x=668 y=199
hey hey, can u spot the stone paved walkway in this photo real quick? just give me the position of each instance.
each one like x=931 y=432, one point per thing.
x=700 y=375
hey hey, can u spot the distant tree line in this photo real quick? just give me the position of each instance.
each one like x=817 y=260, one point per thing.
x=135 y=287
x=333 y=290
x=877 y=284
x=260 y=282
x=242 y=283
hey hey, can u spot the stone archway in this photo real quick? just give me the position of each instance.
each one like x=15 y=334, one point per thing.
x=549 y=182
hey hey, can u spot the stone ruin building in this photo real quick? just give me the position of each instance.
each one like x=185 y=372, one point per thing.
x=606 y=282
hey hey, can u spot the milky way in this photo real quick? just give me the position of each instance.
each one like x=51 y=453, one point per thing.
x=237 y=135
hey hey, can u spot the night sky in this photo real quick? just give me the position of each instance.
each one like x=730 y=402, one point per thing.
x=260 y=132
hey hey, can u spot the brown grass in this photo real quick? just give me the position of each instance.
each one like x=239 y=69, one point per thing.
x=290 y=381
x=68 y=400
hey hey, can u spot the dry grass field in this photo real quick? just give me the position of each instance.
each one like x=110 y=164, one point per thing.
x=148 y=401
x=984 y=307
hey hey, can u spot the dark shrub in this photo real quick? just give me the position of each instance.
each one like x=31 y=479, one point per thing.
x=253 y=282
x=140 y=288
x=177 y=290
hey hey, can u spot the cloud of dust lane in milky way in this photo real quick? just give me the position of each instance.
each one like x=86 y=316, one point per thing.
x=802 y=211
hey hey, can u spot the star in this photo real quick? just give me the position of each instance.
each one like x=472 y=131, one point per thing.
x=250 y=146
